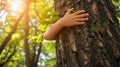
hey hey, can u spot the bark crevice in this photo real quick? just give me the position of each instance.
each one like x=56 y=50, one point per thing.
x=94 y=44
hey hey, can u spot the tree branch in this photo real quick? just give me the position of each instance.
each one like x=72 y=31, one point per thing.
x=36 y=10
x=33 y=57
x=39 y=51
x=7 y=39
x=8 y=58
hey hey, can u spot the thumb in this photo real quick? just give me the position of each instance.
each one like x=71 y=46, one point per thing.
x=69 y=11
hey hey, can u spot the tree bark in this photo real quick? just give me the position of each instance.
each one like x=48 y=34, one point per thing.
x=94 y=44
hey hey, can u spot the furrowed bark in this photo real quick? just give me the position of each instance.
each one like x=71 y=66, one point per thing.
x=94 y=44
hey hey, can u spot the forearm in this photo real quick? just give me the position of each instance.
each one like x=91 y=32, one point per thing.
x=54 y=29
x=77 y=18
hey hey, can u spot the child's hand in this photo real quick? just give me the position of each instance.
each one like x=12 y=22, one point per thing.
x=77 y=18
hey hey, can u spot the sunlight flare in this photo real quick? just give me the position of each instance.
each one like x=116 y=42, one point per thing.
x=16 y=6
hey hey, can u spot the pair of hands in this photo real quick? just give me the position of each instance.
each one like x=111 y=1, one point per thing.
x=77 y=18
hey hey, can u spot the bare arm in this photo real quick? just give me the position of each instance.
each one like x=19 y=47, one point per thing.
x=77 y=18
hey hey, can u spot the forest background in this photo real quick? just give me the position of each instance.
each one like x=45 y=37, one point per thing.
x=22 y=26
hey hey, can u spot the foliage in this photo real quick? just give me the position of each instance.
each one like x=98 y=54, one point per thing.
x=117 y=7
x=41 y=15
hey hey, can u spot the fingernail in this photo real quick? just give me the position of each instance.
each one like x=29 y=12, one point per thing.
x=87 y=18
x=83 y=10
x=72 y=8
x=83 y=22
x=87 y=13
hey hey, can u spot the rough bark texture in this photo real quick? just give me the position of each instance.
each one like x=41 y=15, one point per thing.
x=94 y=44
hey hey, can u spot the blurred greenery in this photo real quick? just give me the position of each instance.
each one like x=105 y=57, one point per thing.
x=117 y=7
x=41 y=15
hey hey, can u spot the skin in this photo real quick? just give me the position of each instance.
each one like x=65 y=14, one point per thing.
x=68 y=20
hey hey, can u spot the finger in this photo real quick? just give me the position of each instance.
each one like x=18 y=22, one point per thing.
x=82 y=15
x=69 y=11
x=79 y=23
x=82 y=19
x=79 y=12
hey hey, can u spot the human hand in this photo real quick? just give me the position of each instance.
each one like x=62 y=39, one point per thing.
x=77 y=18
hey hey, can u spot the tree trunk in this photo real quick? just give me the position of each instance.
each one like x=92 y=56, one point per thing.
x=26 y=30
x=94 y=44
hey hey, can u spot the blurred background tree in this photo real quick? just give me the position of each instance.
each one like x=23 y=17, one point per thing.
x=22 y=25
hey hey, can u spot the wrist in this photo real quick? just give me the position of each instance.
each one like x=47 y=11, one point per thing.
x=60 y=23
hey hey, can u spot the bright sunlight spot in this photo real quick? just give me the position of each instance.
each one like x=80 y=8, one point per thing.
x=16 y=6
